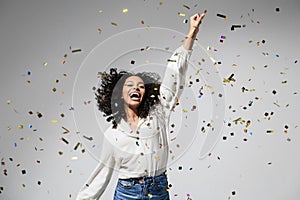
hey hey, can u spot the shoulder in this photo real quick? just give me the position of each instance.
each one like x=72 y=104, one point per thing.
x=110 y=134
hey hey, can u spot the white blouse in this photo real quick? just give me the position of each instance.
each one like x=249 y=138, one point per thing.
x=143 y=152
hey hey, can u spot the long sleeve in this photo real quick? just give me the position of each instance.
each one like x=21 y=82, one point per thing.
x=174 y=78
x=99 y=179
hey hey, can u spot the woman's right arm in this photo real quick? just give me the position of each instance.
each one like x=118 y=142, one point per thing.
x=99 y=179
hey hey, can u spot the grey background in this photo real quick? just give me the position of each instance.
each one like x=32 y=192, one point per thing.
x=32 y=33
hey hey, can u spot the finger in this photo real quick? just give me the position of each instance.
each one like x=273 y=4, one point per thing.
x=194 y=16
x=202 y=16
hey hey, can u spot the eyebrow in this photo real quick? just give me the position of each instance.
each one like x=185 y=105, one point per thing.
x=132 y=82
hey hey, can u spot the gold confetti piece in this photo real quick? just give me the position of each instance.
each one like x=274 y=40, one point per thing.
x=225 y=80
x=99 y=30
x=181 y=14
x=8 y=102
x=185 y=6
x=54 y=89
x=76 y=50
x=114 y=24
x=60 y=153
x=125 y=10
x=74 y=158
x=239 y=119
x=66 y=130
x=212 y=59
x=76 y=146
x=208 y=86
x=21 y=126
x=8 y=128
x=45 y=64
x=160 y=3
x=150 y=196
x=64 y=140
x=248 y=123
x=270 y=131
x=100 y=11
x=63 y=62
x=184 y=110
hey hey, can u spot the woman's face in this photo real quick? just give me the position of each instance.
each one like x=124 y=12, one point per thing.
x=133 y=91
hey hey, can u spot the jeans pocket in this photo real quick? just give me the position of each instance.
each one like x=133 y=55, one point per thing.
x=126 y=184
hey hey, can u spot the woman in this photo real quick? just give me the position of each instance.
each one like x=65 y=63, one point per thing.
x=136 y=144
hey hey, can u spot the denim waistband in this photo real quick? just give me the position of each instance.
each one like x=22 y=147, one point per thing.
x=145 y=179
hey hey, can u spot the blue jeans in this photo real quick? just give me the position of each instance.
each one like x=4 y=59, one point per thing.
x=147 y=188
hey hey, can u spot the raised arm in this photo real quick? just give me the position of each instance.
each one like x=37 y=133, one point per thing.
x=195 y=22
x=174 y=79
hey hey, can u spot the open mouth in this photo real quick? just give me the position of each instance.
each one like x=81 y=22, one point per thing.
x=135 y=96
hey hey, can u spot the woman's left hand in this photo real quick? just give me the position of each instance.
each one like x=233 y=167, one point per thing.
x=196 y=19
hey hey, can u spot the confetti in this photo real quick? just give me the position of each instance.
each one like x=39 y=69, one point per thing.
x=88 y=138
x=114 y=24
x=181 y=14
x=235 y=26
x=64 y=140
x=185 y=6
x=39 y=115
x=74 y=158
x=76 y=146
x=222 y=16
x=65 y=130
x=76 y=50
x=125 y=10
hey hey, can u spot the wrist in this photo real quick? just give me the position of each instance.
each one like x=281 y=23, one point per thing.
x=193 y=32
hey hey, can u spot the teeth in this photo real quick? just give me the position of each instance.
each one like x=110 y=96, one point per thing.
x=134 y=94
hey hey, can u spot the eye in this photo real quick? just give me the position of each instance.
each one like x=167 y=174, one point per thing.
x=142 y=86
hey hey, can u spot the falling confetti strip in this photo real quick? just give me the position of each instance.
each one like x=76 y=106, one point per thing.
x=65 y=130
x=222 y=16
x=233 y=27
x=185 y=6
x=76 y=50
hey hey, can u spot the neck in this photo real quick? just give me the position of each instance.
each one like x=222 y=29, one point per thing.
x=131 y=114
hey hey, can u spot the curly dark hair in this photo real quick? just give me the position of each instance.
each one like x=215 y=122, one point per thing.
x=109 y=94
